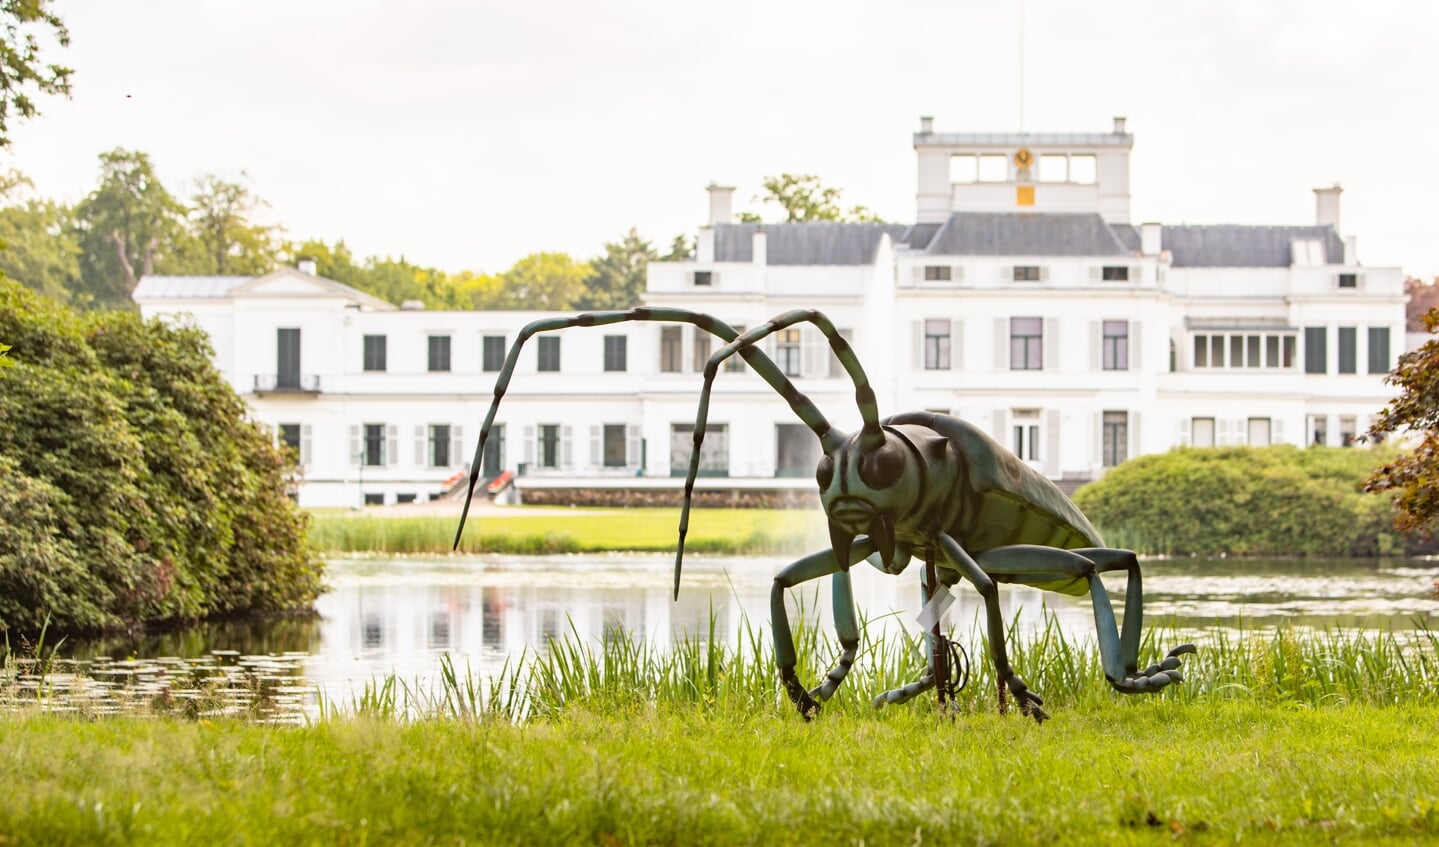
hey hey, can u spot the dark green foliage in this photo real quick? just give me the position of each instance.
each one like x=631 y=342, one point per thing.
x=132 y=486
x=1277 y=500
x=21 y=68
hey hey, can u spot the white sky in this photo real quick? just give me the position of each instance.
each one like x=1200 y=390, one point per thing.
x=467 y=134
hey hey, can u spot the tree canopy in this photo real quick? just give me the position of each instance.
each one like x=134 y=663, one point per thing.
x=1412 y=479
x=803 y=198
x=22 y=71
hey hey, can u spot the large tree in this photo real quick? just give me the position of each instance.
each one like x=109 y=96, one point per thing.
x=37 y=246
x=22 y=71
x=124 y=225
x=223 y=238
x=804 y=198
x=617 y=279
x=550 y=281
x=1412 y=480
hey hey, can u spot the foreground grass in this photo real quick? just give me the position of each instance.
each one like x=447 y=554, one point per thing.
x=737 y=531
x=1131 y=771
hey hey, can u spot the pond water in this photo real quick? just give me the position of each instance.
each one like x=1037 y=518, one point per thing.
x=398 y=616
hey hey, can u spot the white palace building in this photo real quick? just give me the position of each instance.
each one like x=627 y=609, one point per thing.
x=1022 y=298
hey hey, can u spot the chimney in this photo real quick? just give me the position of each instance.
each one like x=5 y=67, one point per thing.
x=306 y=265
x=1150 y=238
x=760 y=246
x=926 y=125
x=1326 y=206
x=1119 y=125
x=721 y=204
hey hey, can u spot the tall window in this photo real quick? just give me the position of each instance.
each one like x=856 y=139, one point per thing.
x=787 y=352
x=290 y=437
x=1116 y=438
x=547 y=451
x=714 y=453
x=1026 y=344
x=614 y=445
x=936 y=345
x=549 y=355
x=1379 y=349
x=1244 y=351
x=672 y=349
x=374 y=352
x=374 y=446
x=1201 y=432
x=1259 y=432
x=703 y=342
x=493 y=352
x=1026 y=435
x=287 y=358
x=1115 y=353
x=1348 y=430
x=1319 y=429
x=438 y=445
x=615 y=352
x=735 y=363
x=1348 y=350
x=1315 y=353
x=439 y=352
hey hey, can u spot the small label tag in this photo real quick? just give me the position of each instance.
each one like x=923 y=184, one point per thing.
x=939 y=603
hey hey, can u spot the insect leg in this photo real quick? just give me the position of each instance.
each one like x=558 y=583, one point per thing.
x=1132 y=680
x=811 y=567
x=905 y=693
x=1029 y=702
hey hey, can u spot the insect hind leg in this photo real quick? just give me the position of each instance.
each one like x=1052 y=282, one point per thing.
x=1119 y=650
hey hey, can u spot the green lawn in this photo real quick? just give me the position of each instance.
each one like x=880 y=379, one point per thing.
x=1128 y=771
x=550 y=530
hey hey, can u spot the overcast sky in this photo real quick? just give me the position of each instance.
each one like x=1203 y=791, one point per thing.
x=466 y=134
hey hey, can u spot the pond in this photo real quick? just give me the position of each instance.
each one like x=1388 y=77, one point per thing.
x=398 y=616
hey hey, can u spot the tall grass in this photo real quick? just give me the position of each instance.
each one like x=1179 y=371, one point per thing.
x=623 y=674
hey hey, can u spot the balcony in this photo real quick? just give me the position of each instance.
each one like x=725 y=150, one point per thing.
x=287 y=383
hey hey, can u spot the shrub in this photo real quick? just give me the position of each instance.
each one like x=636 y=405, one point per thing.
x=1279 y=500
x=132 y=485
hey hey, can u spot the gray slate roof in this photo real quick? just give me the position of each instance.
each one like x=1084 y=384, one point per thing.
x=1232 y=246
x=187 y=287
x=1014 y=234
x=816 y=243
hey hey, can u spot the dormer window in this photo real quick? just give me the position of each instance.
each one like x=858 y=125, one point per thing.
x=1349 y=280
x=1115 y=273
x=938 y=273
x=1026 y=273
x=705 y=278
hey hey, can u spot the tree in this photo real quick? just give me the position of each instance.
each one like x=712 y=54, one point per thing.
x=617 y=278
x=222 y=238
x=1423 y=297
x=21 y=69
x=546 y=281
x=123 y=226
x=681 y=249
x=803 y=198
x=37 y=242
x=1412 y=480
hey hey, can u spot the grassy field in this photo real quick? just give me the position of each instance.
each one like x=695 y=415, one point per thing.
x=1127 y=772
x=526 y=531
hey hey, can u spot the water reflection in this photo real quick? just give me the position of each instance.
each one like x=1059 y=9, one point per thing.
x=399 y=616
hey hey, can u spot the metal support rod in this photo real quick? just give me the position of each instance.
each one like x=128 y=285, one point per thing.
x=939 y=653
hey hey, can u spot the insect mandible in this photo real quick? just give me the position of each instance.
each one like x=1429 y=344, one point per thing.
x=919 y=484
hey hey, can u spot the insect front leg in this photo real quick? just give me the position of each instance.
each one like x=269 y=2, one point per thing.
x=811 y=567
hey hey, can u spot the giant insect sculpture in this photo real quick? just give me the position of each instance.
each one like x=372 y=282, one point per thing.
x=918 y=484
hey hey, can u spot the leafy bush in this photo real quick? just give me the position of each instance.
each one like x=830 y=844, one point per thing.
x=1279 y=500
x=132 y=486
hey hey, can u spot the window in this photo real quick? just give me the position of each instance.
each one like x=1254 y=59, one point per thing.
x=1319 y=429
x=404 y=497
x=963 y=168
x=374 y=446
x=438 y=446
x=936 y=345
x=1026 y=273
x=701 y=356
x=1258 y=432
x=796 y=451
x=1026 y=344
x=1026 y=434
x=287 y=358
x=1379 y=349
x=993 y=167
x=1114 y=353
x=290 y=437
x=704 y=278
x=1347 y=430
x=1115 y=273
x=787 y=352
x=549 y=354
x=1201 y=432
x=374 y=353
x=1348 y=349
x=671 y=349
x=735 y=363
x=714 y=453
x=1053 y=168
x=493 y=352
x=615 y=352
x=938 y=273
x=1082 y=169
x=1244 y=351
x=1116 y=438
x=1349 y=280
x=1315 y=354
x=547 y=450
x=439 y=352
x=370 y=629
x=614 y=445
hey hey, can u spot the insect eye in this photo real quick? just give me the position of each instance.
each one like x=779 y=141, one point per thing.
x=824 y=474
x=883 y=467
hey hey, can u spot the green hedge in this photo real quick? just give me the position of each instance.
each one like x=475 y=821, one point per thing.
x=1279 y=500
x=133 y=488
